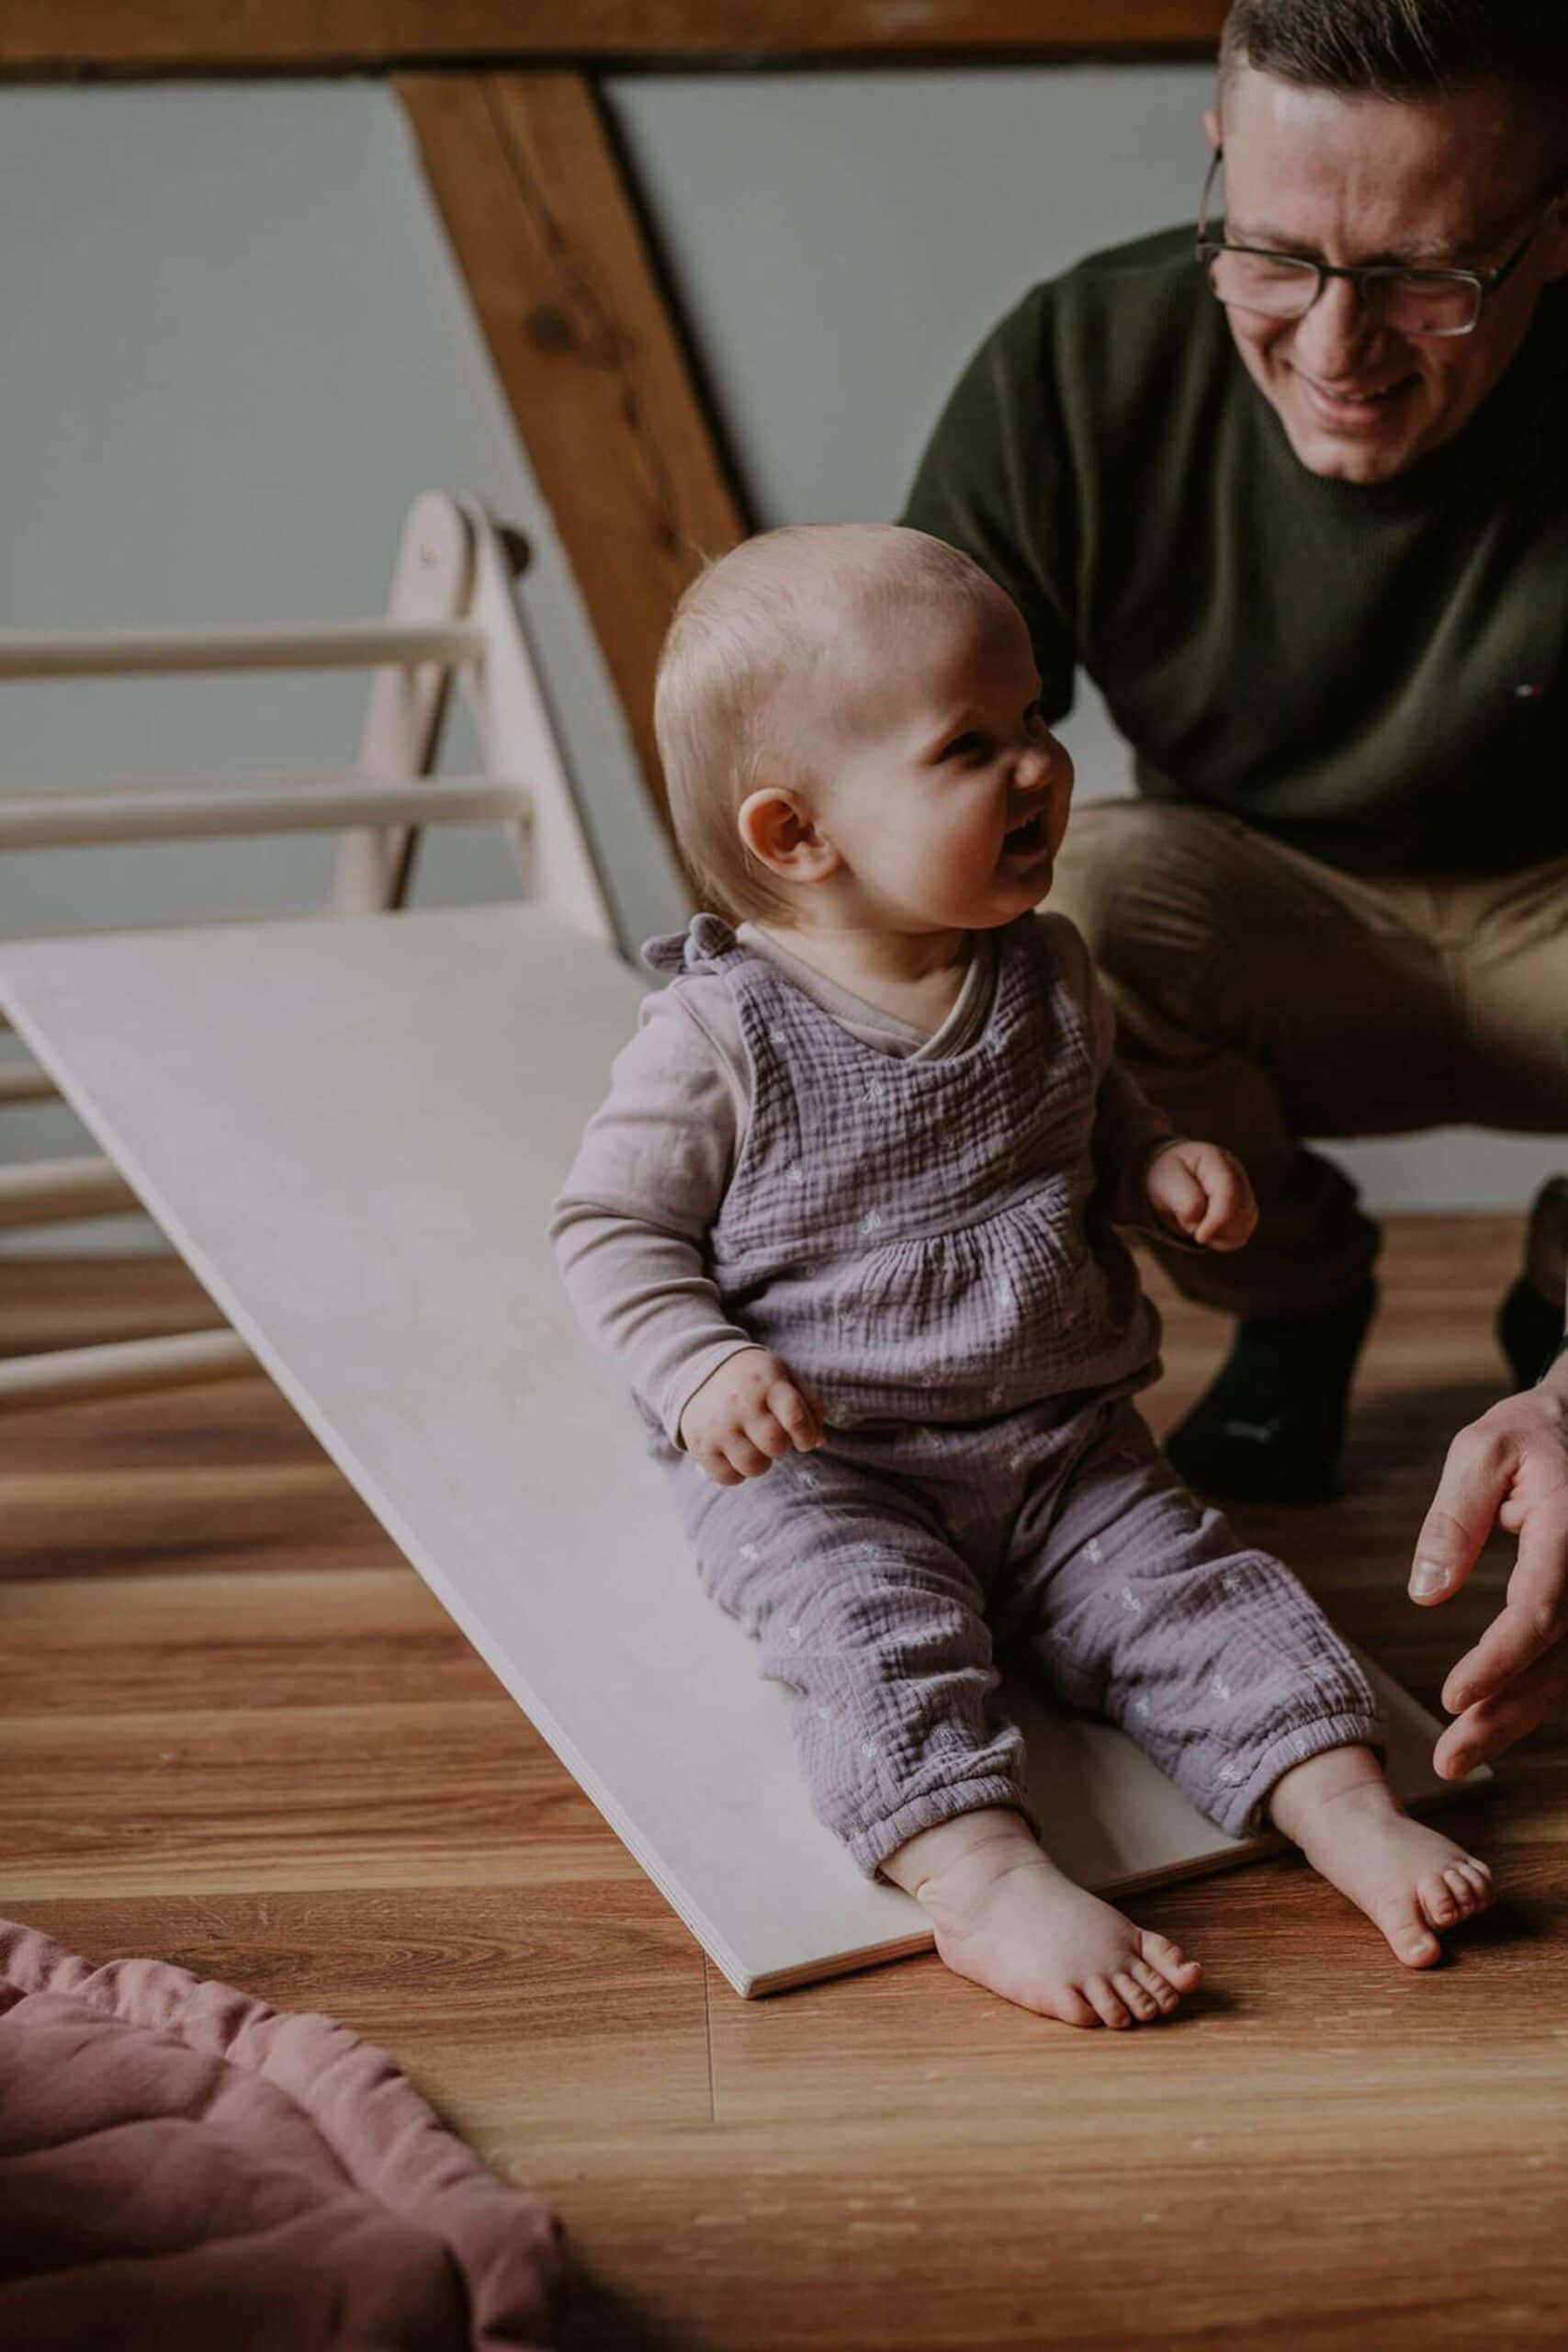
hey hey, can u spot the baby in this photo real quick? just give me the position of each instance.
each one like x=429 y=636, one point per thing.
x=846 y=1221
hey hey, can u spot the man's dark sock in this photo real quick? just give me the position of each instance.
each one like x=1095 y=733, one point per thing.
x=1270 y=1427
x=1529 y=1331
x=1529 y=1321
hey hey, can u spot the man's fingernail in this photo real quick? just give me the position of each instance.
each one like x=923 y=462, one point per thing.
x=1425 y=1579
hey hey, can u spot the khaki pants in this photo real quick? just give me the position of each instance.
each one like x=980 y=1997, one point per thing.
x=1261 y=996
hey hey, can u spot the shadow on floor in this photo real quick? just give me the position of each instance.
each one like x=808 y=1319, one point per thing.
x=596 y=2318
x=1418 y=1417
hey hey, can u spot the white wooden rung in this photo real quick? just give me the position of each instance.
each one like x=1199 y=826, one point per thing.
x=123 y=1368
x=24 y=1081
x=197 y=808
x=313 y=645
x=51 y=1192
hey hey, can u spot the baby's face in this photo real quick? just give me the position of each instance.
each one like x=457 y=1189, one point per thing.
x=943 y=790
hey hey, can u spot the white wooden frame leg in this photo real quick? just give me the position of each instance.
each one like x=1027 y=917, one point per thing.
x=519 y=738
x=455 y=564
x=431 y=581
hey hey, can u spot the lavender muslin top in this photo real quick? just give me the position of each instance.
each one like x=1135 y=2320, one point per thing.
x=920 y=1225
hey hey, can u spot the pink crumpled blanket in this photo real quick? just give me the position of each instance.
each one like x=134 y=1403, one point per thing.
x=181 y=2166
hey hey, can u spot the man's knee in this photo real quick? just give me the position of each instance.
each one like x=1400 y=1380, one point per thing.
x=1146 y=879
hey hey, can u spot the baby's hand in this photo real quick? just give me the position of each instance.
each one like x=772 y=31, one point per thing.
x=745 y=1415
x=1200 y=1192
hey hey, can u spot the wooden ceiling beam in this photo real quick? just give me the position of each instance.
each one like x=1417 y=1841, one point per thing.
x=44 y=40
x=546 y=234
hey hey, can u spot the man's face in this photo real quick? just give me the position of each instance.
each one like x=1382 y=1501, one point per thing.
x=1453 y=182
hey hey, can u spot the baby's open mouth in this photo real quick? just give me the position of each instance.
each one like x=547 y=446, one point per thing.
x=1025 y=838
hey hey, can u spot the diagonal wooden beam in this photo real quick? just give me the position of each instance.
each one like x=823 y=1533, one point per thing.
x=546 y=234
x=52 y=37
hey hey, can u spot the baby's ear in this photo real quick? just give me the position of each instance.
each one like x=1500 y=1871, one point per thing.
x=779 y=829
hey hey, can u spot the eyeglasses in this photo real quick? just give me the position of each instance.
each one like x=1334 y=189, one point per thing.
x=1411 y=301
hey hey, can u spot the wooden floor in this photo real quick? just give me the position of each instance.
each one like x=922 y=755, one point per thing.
x=238 y=1734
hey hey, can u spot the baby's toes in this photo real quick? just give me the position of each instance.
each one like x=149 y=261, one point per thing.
x=1463 y=1892
x=1170 y=1961
x=1142 y=2003
x=1469 y=1882
x=1064 y=2001
x=1409 y=1936
x=1165 y=1997
x=1439 y=1899
x=1112 y=2009
x=1480 y=1877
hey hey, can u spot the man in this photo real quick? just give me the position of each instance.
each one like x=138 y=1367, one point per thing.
x=1295 y=494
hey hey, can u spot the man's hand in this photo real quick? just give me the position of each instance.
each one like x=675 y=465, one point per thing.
x=1510 y=1468
x=746 y=1416
x=1201 y=1192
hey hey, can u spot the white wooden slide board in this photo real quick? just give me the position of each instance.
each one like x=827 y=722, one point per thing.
x=352 y=1131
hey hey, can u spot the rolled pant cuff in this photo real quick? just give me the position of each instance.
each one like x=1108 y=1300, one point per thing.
x=870 y=1848
x=1243 y=1812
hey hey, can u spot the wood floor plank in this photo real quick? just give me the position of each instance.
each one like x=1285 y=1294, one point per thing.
x=533 y=2003
x=1137 y=2230
x=290 y=1797
x=286 y=1638
x=246 y=1740
x=280 y=1514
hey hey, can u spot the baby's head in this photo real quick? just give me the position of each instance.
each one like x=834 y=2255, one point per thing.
x=847 y=718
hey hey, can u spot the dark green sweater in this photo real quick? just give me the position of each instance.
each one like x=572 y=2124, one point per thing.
x=1376 y=674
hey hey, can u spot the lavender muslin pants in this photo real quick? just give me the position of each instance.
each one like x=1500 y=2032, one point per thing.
x=881 y=1574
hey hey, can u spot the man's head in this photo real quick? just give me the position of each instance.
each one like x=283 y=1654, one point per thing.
x=1431 y=132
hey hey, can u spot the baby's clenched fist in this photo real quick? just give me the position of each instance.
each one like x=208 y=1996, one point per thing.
x=1200 y=1191
x=746 y=1416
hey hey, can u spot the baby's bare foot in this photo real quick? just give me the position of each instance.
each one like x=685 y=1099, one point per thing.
x=1007 y=1918
x=1410 y=1879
